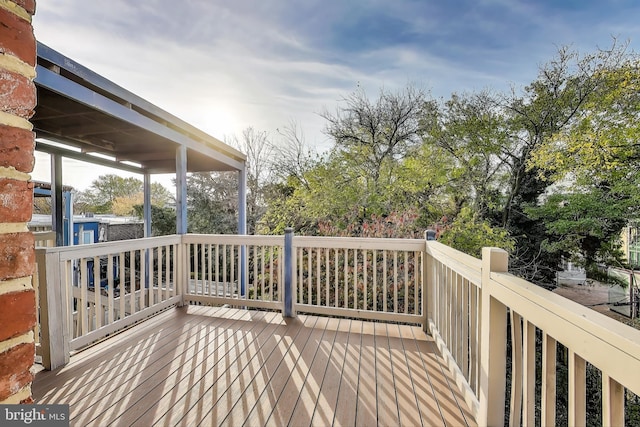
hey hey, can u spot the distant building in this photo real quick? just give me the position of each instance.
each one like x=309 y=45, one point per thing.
x=88 y=229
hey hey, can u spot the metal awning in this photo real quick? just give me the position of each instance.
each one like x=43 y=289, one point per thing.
x=109 y=125
x=82 y=115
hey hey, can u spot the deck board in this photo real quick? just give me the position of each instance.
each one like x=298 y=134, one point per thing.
x=218 y=366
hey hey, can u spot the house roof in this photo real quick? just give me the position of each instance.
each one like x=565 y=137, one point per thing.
x=101 y=122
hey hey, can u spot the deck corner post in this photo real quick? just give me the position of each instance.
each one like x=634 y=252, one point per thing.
x=53 y=310
x=493 y=342
x=428 y=284
x=288 y=310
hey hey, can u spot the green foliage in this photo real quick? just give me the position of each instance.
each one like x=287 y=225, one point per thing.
x=583 y=226
x=473 y=132
x=469 y=233
x=114 y=194
x=212 y=203
x=99 y=197
x=163 y=219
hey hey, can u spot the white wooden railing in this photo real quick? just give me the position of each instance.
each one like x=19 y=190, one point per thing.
x=43 y=239
x=488 y=324
x=481 y=316
x=361 y=278
x=88 y=292
x=245 y=271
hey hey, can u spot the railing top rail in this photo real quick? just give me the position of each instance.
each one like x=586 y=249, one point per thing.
x=44 y=234
x=463 y=264
x=105 y=248
x=358 y=243
x=611 y=346
x=441 y=251
x=240 y=239
x=45 y=238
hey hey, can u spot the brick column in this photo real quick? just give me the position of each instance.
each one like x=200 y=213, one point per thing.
x=17 y=297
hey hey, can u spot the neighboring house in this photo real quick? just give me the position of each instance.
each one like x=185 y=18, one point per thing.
x=89 y=229
x=631 y=244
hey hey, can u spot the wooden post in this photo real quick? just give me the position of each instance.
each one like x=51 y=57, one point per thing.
x=242 y=227
x=181 y=190
x=57 y=205
x=147 y=204
x=288 y=273
x=427 y=288
x=53 y=310
x=493 y=342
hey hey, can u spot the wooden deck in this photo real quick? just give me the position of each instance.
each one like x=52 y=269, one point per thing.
x=216 y=366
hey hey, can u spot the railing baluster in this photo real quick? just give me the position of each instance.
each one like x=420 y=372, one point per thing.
x=232 y=272
x=123 y=290
x=174 y=258
x=612 y=402
x=82 y=304
x=465 y=328
x=365 y=290
x=97 y=301
x=318 y=277
x=225 y=268
x=548 y=399
x=143 y=280
x=346 y=278
x=150 y=282
x=208 y=269
x=110 y=284
x=516 y=369
x=309 y=274
x=385 y=291
x=475 y=338
x=256 y=270
x=132 y=282
x=529 y=373
x=446 y=279
x=355 y=279
x=417 y=280
x=577 y=390
x=336 y=278
x=271 y=272
x=374 y=284
x=327 y=277
x=406 y=282
x=161 y=277
x=395 y=281
x=281 y=272
x=455 y=314
x=263 y=263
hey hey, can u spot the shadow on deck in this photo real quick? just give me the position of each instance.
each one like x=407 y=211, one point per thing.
x=219 y=366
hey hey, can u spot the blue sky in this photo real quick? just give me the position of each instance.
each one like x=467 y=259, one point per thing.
x=226 y=65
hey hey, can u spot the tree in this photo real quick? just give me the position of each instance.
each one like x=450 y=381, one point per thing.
x=125 y=205
x=163 y=219
x=597 y=156
x=115 y=194
x=371 y=137
x=212 y=203
x=492 y=138
x=584 y=226
x=259 y=150
x=469 y=234
x=292 y=156
x=99 y=197
x=473 y=131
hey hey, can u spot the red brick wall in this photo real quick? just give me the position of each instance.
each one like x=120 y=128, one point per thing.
x=17 y=101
